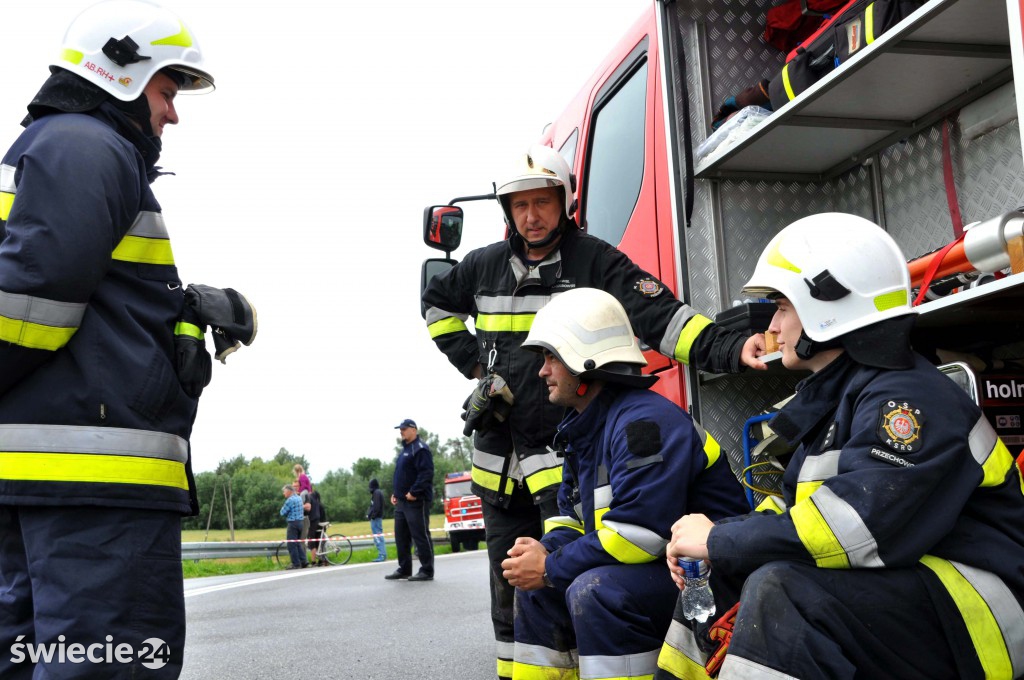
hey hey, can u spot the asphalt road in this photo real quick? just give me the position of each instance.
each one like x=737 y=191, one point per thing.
x=342 y=622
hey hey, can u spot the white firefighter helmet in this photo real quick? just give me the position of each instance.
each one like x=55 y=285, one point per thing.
x=841 y=273
x=588 y=330
x=119 y=45
x=541 y=166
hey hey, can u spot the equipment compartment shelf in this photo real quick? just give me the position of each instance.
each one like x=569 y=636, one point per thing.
x=946 y=54
x=987 y=316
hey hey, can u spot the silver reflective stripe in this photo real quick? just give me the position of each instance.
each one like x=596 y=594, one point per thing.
x=510 y=304
x=488 y=461
x=541 y=461
x=738 y=668
x=641 y=537
x=94 y=440
x=982 y=440
x=624 y=666
x=504 y=650
x=535 y=655
x=524 y=273
x=565 y=521
x=578 y=509
x=602 y=497
x=701 y=432
x=819 y=468
x=435 y=314
x=849 y=529
x=675 y=328
x=681 y=638
x=41 y=311
x=7 y=179
x=149 y=225
x=1005 y=609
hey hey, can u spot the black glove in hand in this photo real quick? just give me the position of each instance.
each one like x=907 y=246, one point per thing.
x=192 y=361
x=490 y=401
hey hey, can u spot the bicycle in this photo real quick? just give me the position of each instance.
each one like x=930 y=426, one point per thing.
x=336 y=548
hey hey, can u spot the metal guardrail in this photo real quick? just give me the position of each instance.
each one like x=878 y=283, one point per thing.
x=218 y=550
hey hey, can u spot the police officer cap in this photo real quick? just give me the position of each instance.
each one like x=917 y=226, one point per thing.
x=406 y=423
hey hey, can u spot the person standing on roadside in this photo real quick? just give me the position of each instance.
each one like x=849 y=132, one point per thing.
x=412 y=492
x=292 y=512
x=376 y=516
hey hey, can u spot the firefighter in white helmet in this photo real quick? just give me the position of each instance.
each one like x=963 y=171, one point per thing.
x=592 y=594
x=502 y=286
x=895 y=550
x=103 y=355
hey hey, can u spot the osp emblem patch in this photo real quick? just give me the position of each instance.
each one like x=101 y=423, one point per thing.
x=900 y=426
x=649 y=288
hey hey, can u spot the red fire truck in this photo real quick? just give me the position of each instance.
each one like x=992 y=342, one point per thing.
x=916 y=131
x=463 y=516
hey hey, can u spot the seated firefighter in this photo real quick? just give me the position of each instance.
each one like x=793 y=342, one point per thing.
x=896 y=550
x=592 y=594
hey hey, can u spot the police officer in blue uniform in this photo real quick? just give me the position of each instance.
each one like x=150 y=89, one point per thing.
x=103 y=359
x=592 y=594
x=896 y=549
x=412 y=491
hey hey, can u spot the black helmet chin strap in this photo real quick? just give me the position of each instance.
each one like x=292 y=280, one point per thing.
x=807 y=348
x=563 y=224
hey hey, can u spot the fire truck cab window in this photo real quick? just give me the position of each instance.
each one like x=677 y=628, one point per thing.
x=616 y=167
x=457 y=489
x=568 y=149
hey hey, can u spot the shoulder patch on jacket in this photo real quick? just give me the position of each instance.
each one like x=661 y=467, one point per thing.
x=643 y=438
x=900 y=426
x=649 y=287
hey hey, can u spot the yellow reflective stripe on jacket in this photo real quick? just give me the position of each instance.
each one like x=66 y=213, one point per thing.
x=631 y=544
x=38 y=323
x=712 y=449
x=445 y=326
x=539 y=481
x=504 y=323
x=147 y=241
x=990 y=453
x=552 y=523
x=817 y=537
x=144 y=250
x=34 y=336
x=978 y=615
x=771 y=504
x=91 y=467
x=834 y=534
x=189 y=329
x=7 y=190
x=680 y=656
x=71 y=453
x=489 y=480
x=869 y=24
x=688 y=336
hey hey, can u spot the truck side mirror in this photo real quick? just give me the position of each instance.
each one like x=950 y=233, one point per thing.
x=442 y=227
x=431 y=268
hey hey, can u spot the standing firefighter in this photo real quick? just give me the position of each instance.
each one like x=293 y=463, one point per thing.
x=502 y=286
x=896 y=550
x=103 y=357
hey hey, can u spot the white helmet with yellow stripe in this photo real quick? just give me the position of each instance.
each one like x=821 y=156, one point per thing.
x=118 y=45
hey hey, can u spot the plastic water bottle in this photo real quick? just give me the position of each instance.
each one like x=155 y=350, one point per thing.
x=698 y=601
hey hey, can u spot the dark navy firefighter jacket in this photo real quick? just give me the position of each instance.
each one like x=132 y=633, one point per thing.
x=91 y=410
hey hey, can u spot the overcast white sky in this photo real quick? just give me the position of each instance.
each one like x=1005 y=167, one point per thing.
x=301 y=182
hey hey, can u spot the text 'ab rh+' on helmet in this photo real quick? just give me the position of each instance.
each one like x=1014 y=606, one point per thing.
x=841 y=273
x=119 y=45
x=541 y=166
x=588 y=330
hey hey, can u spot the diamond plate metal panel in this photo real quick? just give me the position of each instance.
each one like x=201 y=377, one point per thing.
x=727 y=403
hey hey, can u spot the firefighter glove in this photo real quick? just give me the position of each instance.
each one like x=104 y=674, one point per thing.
x=721 y=634
x=490 y=402
x=191 y=359
x=231 y=317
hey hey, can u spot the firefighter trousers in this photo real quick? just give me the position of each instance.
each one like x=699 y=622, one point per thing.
x=93 y=586
x=797 y=620
x=610 y=623
x=502 y=526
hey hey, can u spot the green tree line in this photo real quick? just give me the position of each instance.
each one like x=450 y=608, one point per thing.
x=253 y=486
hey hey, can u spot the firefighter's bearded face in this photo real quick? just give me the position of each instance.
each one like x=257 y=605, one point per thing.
x=536 y=212
x=561 y=383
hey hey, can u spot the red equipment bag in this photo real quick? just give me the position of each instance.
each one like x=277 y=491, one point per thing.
x=786 y=25
x=856 y=25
